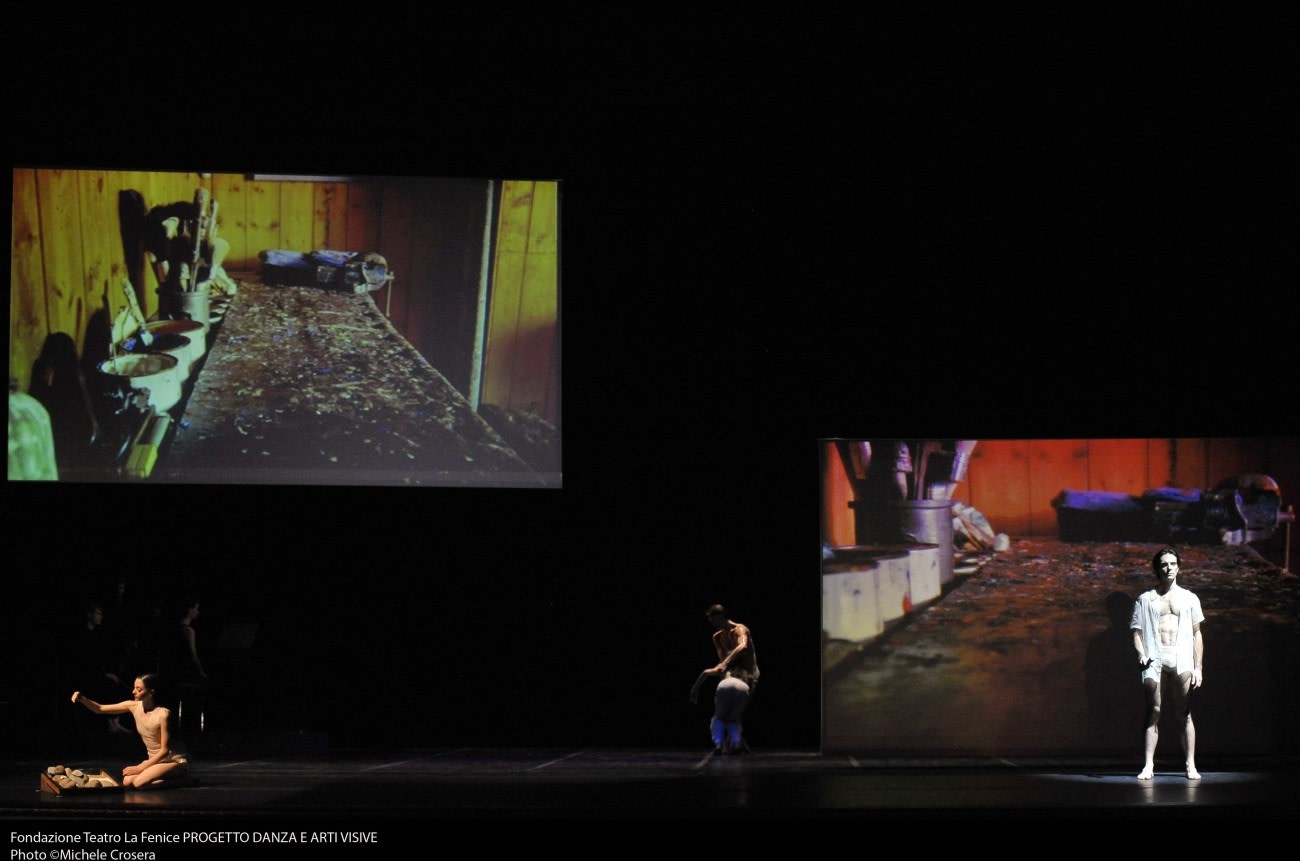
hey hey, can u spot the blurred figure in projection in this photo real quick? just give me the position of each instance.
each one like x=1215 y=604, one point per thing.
x=1167 y=635
x=1116 y=700
x=178 y=657
x=94 y=663
x=188 y=683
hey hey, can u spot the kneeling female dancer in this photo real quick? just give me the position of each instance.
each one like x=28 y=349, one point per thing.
x=161 y=760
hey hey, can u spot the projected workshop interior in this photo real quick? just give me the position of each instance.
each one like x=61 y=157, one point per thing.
x=280 y=329
x=978 y=595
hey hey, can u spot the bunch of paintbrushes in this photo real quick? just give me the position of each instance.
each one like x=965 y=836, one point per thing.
x=936 y=468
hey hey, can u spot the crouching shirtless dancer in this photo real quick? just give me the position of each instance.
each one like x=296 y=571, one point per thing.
x=161 y=758
x=1167 y=635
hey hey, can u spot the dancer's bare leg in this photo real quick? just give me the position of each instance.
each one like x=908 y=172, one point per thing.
x=1189 y=728
x=1153 y=729
x=154 y=773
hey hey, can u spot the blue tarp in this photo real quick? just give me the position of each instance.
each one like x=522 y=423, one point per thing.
x=286 y=258
x=1173 y=494
x=1097 y=500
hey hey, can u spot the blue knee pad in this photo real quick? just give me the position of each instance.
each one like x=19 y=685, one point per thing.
x=717 y=729
x=733 y=736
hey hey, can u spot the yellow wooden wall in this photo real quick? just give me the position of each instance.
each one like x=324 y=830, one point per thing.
x=521 y=364
x=1012 y=482
x=67 y=258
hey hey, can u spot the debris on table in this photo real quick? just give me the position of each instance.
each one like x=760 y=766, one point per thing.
x=311 y=385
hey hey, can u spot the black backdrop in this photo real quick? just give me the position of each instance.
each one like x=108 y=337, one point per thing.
x=886 y=244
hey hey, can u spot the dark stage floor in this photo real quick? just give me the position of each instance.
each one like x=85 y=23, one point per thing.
x=364 y=791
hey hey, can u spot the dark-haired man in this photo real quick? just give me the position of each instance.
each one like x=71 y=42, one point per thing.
x=734 y=645
x=1167 y=635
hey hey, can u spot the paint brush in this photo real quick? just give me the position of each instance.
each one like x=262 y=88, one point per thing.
x=902 y=467
x=961 y=459
x=928 y=449
x=856 y=457
x=146 y=337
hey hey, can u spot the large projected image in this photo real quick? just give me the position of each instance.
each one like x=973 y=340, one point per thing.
x=978 y=596
x=222 y=328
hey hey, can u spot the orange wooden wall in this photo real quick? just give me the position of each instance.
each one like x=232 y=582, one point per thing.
x=67 y=260
x=1012 y=482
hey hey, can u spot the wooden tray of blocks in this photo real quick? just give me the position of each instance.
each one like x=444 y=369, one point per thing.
x=62 y=780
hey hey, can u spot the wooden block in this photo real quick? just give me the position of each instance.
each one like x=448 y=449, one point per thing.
x=97 y=780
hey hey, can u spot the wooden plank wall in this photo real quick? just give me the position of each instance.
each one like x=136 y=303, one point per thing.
x=1012 y=482
x=67 y=260
x=521 y=368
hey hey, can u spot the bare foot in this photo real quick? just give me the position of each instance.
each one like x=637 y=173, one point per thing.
x=1146 y=773
x=1192 y=773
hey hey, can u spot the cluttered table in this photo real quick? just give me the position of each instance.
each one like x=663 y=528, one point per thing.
x=311 y=385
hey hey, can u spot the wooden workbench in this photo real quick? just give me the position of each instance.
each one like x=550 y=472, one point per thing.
x=308 y=385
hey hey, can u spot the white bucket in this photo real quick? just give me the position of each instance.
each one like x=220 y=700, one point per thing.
x=157 y=372
x=169 y=345
x=850 y=605
x=192 y=329
x=186 y=305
